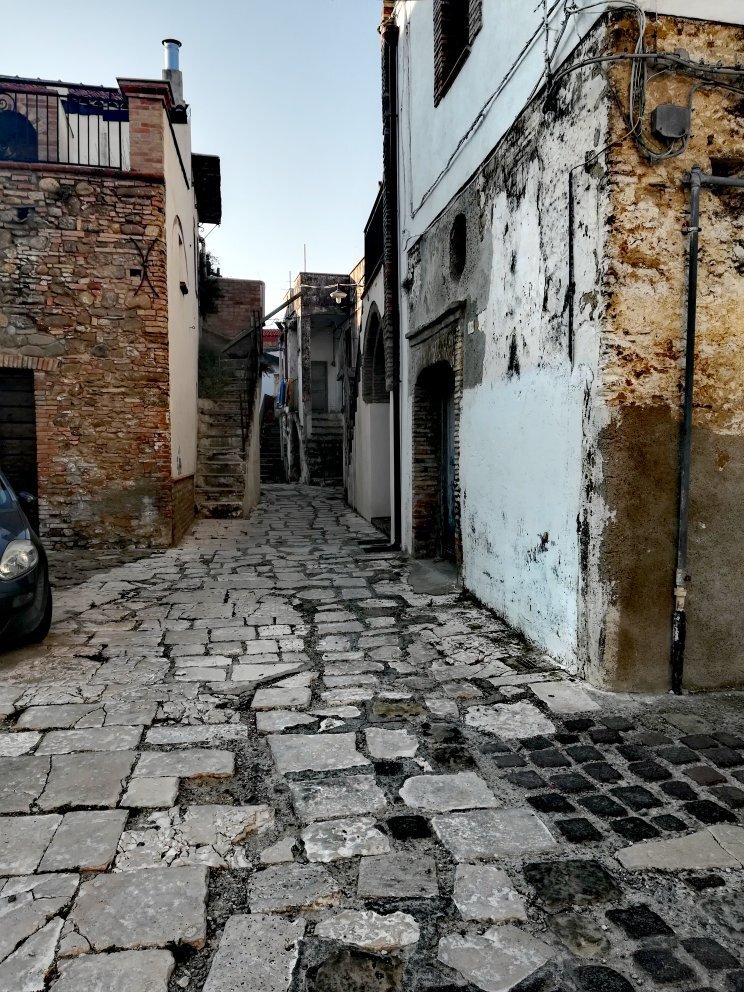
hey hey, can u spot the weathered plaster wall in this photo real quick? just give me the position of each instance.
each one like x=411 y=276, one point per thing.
x=641 y=376
x=526 y=412
x=183 y=308
x=490 y=92
x=68 y=245
x=371 y=470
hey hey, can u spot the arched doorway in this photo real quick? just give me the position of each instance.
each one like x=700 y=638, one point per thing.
x=435 y=471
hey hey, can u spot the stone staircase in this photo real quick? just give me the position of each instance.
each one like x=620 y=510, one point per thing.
x=220 y=471
x=272 y=466
x=325 y=450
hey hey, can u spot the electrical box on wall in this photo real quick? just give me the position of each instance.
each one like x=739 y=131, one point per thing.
x=670 y=121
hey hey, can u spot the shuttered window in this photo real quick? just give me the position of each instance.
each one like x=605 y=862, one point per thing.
x=456 y=23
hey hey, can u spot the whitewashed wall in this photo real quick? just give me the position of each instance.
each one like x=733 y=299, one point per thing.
x=371 y=472
x=183 y=310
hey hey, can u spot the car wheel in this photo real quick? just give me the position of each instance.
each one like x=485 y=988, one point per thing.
x=40 y=632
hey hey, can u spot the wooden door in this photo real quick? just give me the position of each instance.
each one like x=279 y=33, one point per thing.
x=319 y=387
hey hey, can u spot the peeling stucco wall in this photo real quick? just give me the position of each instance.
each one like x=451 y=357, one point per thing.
x=527 y=411
x=641 y=384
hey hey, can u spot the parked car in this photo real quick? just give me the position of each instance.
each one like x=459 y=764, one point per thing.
x=25 y=593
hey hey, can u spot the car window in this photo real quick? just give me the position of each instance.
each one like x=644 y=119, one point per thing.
x=6 y=500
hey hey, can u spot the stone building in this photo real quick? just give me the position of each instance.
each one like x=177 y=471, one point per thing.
x=100 y=201
x=539 y=260
x=239 y=304
x=313 y=357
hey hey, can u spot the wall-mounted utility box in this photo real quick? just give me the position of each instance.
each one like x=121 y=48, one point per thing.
x=670 y=121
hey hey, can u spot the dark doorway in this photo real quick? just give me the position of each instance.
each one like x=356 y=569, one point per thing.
x=435 y=507
x=18 y=433
x=319 y=387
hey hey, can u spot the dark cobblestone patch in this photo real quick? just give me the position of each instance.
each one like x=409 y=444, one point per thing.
x=578 y=726
x=405 y=827
x=634 y=829
x=699 y=742
x=578 y=830
x=663 y=966
x=527 y=780
x=649 y=771
x=636 y=797
x=709 y=813
x=616 y=722
x=679 y=790
x=584 y=752
x=730 y=795
x=705 y=775
x=571 y=783
x=563 y=884
x=602 y=806
x=537 y=743
x=677 y=755
x=595 y=978
x=669 y=822
x=550 y=758
x=709 y=953
x=602 y=771
x=638 y=922
x=724 y=757
x=701 y=883
x=551 y=802
x=603 y=735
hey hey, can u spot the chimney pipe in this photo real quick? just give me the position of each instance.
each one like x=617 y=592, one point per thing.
x=170 y=53
x=172 y=72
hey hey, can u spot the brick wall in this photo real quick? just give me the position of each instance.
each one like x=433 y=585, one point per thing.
x=436 y=370
x=75 y=307
x=183 y=507
x=237 y=305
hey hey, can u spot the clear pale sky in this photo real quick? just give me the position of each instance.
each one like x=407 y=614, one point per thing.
x=286 y=92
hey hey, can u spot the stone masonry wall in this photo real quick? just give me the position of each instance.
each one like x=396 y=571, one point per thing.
x=76 y=295
x=642 y=374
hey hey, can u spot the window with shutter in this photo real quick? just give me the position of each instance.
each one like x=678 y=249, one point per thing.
x=456 y=23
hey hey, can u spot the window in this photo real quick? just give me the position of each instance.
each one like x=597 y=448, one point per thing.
x=456 y=23
x=18 y=139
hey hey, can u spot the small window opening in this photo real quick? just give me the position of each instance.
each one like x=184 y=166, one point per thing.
x=456 y=23
x=458 y=246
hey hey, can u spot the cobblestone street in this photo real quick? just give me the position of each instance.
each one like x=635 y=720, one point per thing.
x=273 y=759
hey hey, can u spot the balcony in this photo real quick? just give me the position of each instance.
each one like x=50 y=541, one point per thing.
x=63 y=125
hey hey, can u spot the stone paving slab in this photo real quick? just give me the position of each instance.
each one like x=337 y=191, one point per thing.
x=22 y=781
x=291 y=887
x=351 y=796
x=371 y=931
x=28 y=902
x=491 y=834
x=94 y=739
x=85 y=841
x=26 y=970
x=441 y=793
x=23 y=841
x=14 y=745
x=307 y=752
x=497 y=961
x=398 y=875
x=338 y=839
x=136 y=910
x=121 y=971
x=257 y=953
x=93 y=778
x=191 y=763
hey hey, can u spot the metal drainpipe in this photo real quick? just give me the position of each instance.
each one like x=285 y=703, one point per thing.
x=390 y=34
x=697 y=180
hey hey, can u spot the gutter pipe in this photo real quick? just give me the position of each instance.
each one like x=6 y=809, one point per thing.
x=391 y=317
x=697 y=180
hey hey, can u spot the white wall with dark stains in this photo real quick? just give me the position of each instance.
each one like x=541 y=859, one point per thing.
x=529 y=413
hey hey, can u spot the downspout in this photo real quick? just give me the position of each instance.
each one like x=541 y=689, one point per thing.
x=697 y=180
x=390 y=33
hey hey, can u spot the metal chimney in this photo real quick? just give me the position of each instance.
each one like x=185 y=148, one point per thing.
x=171 y=48
x=171 y=70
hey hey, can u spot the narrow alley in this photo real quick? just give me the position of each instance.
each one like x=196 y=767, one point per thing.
x=280 y=757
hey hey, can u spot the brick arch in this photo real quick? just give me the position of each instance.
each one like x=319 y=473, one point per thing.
x=374 y=388
x=10 y=360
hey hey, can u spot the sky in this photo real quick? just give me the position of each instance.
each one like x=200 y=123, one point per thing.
x=286 y=92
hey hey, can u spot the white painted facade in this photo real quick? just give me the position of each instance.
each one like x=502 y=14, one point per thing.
x=370 y=472
x=183 y=308
x=521 y=436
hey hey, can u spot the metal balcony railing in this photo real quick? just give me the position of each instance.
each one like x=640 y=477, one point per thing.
x=64 y=125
